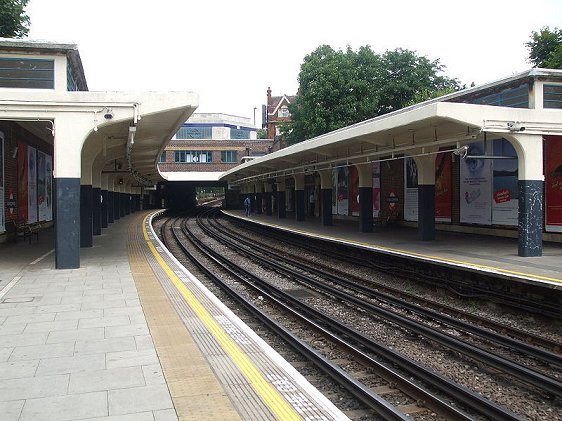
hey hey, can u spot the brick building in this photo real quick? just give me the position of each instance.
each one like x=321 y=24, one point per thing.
x=212 y=143
x=277 y=112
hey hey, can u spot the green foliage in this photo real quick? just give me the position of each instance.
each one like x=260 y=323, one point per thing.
x=14 y=23
x=339 y=88
x=262 y=134
x=545 y=48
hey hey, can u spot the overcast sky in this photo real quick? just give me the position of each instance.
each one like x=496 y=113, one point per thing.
x=229 y=52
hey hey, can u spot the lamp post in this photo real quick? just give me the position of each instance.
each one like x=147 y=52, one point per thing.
x=255 y=108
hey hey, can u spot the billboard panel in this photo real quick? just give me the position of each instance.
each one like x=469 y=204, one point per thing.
x=476 y=185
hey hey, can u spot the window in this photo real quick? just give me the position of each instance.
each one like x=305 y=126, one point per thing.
x=162 y=157
x=229 y=156
x=283 y=111
x=552 y=96
x=515 y=98
x=71 y=84
x=27 y=73
x=194 y=133
x=239 y=134
x=193 y=156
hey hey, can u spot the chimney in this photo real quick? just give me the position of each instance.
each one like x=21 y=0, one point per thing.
x=268 y=95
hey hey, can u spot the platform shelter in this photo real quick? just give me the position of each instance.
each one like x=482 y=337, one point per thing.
x=482 y=160
x=71 y=157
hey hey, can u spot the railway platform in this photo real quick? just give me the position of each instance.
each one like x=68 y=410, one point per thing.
x=131 y=335
x=476 y=253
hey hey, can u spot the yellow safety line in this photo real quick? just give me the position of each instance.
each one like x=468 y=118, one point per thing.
x=427 y=256
x=271 y=396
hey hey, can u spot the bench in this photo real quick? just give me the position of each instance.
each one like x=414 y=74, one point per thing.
x=386 y=217
x=26 y=230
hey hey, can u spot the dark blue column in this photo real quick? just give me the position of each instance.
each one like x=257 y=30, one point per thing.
x=67 y=223
x=104 y=209
x=135 y=203
x=268 y=209
x=128 y=203
x=110 y=208
x=530 y=217
x=122 y=205
x=116 y=205
x=281 y=204
x=326 y=203
x=365 y=209
x=86 y=212
x=299 y=205
x=426 y=212
x=259 y=209
x=96 y=210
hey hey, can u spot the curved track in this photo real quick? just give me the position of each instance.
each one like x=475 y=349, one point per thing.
x=421 y=384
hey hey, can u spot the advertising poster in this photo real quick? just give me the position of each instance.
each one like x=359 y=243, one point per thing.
x=553 y=183
x=410 y=190
x=376 y=189
x=342 y=191
x=31 y=185
x=505 y=198
x=335 y=191
x=22 y=181
x=354 y=190
x=476 y=185
x=49 y=187
x=443 y=187
x=41 y=186
x=2 y=195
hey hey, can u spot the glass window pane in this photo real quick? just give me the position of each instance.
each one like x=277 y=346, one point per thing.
x=27 y=73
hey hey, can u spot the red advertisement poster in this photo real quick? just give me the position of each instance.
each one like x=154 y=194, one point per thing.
x=443 y=187
x=22 y=181
x=553 y=182
x=354 y=195
x=376 y=188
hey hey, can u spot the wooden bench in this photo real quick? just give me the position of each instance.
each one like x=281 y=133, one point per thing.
x=26 y=230
x=386 y=217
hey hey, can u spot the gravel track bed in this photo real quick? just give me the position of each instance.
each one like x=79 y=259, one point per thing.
x=345 y=402
x=519 y=398
x=525 y=321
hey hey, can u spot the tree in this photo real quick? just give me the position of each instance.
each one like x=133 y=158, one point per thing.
x=545 y=48
x=262 y=134
x=339 y=88
x=14 y=22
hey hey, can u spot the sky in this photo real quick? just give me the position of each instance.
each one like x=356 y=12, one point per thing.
x=230 y=52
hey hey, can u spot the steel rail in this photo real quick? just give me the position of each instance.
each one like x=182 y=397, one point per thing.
x=547 y=309
x=444 y=385
x=535 y=339
x=524 y=374
x=364 y=394
x=333 y=276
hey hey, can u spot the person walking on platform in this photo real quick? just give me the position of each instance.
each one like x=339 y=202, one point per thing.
x=312 y=201
x=247 y=206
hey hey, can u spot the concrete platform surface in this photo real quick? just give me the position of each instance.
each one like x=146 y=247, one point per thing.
x=131 y=335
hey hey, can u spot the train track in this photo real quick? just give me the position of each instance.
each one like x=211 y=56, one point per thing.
x=461 y=283
x=364 y=349
x=285 y=266
x=544 y=349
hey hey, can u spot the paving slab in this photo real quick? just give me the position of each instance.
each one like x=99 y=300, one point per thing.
x=106 y=379
x=72 y=364
x=33 y=387
x=65 y=408
x=139 y=399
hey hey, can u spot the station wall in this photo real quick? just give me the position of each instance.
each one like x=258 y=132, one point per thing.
x=23 y=197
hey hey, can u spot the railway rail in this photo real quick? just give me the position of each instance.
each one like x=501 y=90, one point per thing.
x=367 y=350
x=468 y=285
